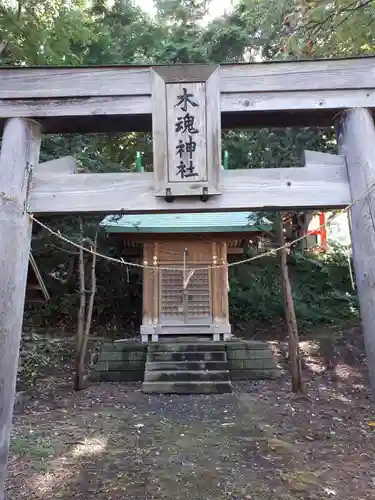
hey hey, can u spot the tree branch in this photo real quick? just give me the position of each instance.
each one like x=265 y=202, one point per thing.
x=313 y=27
x=63 y=250
x=92 y=292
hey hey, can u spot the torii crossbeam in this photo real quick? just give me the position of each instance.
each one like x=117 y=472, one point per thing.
x=187 y=174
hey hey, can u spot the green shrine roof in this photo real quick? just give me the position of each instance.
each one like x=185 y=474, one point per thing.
x=207 y=222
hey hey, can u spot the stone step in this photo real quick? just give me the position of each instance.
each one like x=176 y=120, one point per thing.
x=186 y=365
x=187 y=376
x=185 y=347
x=187 y=387
x=187 y=356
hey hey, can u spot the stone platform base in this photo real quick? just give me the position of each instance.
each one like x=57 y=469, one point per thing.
x=125 y=361
x=215 y=332
x=187 y=368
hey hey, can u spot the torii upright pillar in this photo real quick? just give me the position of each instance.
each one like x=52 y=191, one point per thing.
x=19 y=153
x=356 y=141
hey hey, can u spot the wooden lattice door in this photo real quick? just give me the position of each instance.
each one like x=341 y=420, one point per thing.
x=191 y=306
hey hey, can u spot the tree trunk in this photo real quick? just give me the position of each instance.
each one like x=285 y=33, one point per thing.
x=85 y=311
x=290 y=315
x=78 y=381
x=90 y=306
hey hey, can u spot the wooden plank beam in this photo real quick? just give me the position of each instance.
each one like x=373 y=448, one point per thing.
x=356 y=139
x=63 y=165
x=242 y=190
x=19 y=152
x=37 y=83
x=82 y=124
x=252 y=95
x=234 y=102
x=238 y=110
x=316 y=159
x=288 y=76
x=72 y=107
x=296 y=100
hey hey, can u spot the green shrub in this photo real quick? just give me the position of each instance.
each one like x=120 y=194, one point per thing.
x=321 y=287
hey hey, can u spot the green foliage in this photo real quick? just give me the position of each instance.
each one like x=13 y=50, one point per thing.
x=322 y=290
x=328 y=29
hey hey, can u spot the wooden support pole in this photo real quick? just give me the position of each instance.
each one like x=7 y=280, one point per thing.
x=356 y=140
x=19 y=153
x=290 y=313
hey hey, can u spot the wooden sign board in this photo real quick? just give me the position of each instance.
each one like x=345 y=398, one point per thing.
x=186 y=127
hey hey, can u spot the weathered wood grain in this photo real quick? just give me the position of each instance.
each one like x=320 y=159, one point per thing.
x=315 y=100
x=95 y=106
x=356 y=139
x=242 y=190
x=19 y=153
x=215 y=290
x=202 y=134
x=213 y=124
x=147 y=286
x=199 y=156
x=330 y=74
x=177 y=73
x=155 y=284
x=63 y=97
x=316 y=159
x=236 y=102
x=63 y=165
x=22 y=83
x=159 y=134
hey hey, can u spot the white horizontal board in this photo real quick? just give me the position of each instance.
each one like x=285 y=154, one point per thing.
x=141 y=105
x=63 y=165
x=73 y=82
x=255 y=189
x=298 y=100
x=330 y=74
x=356 y=73
x=303 y=85
x=317 y=159
x=233 y=102
x=118 y=105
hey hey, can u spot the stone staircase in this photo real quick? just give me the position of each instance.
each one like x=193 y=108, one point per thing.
x=186 y=368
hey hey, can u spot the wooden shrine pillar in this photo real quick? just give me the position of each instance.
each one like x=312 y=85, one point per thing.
x=150 y=291
x=219 y=290
x=19 y=153
x=356 y=141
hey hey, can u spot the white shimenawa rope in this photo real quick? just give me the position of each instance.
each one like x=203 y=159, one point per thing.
x=191 y=270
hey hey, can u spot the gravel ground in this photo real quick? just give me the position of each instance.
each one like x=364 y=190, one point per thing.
x=112 y=442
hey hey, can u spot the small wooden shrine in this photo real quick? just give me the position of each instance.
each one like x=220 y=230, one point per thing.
x=185 y=278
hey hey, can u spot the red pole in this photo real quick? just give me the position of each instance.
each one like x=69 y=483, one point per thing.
x=323 y=230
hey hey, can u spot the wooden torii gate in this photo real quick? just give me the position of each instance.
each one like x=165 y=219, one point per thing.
x=185 y=107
